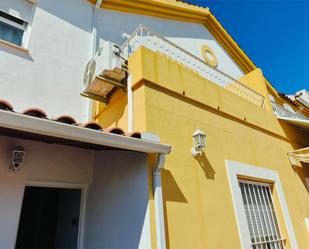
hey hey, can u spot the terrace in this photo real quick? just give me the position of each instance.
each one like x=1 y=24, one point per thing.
x=145 y=37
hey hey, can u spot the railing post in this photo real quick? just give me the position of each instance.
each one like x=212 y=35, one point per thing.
x=142 y=36
x=188 y=60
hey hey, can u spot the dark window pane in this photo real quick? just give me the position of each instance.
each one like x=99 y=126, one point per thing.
x=11 y=18
x=11 y=34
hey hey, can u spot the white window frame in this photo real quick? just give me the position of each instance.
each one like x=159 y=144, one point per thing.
x=236 y=170
x=16 y=26
x=27 y=33
x=27 y=27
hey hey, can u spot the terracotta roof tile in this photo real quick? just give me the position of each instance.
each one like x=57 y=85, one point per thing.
x=66 y=119
x=35 y=112
x=115 y=130
x=5 y=105
x=283 y=95
x=92 y=125
x=134 y=134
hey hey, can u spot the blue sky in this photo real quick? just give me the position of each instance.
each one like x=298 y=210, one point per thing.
x=273 y=33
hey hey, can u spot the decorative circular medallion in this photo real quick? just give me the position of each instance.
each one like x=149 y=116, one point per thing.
x=209 y=56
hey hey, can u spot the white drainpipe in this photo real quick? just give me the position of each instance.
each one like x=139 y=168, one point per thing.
x=158 y=201
x=130 y=104
x=94 y=25
x=94 y=45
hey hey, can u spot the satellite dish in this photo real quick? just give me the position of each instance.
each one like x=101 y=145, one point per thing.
x=89 y=72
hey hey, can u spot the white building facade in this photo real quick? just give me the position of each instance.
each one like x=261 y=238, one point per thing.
x=44 y=48
x=45 y=69
x=76 y=187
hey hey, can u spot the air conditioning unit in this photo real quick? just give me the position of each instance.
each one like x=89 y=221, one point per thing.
x=105 y=71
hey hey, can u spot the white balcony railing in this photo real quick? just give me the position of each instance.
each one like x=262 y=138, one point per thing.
x=280 y=111
x=143 y=36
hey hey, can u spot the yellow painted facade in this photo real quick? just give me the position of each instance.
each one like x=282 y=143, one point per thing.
x=172 y=101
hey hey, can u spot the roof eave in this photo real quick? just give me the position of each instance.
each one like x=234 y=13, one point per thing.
x=20 y=122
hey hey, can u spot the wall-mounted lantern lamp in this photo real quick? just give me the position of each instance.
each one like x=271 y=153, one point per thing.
x=199 y=142
x=18 y=156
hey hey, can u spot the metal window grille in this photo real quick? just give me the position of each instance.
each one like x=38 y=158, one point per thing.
x=261 y=215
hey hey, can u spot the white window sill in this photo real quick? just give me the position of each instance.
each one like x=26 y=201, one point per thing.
x=11 y=45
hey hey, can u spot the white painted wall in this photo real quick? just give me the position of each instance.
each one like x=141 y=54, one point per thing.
x=50 y=75
x=190 y=36
x=18 y=8
x=117 y=214
x=117 y=207
x=43 y=163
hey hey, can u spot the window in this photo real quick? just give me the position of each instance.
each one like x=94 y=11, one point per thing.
x=260 y=216
x=254 y=208
x=16 y=17
x=11 y=28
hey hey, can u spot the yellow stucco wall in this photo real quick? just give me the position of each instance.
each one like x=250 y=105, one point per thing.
x=115 y=113
x=256 y=81
x=197 y=197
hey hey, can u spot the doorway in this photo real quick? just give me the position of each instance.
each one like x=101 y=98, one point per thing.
x=49 y=218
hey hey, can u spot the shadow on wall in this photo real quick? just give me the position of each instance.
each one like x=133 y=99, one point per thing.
x=112 y=116
x=114 y=26
x=303 y=173
x=80 y=15
x=129 y=22
x=301 y=137
x=206 y=166
x=172 y=192
x=117 y=202
x=22 y=54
